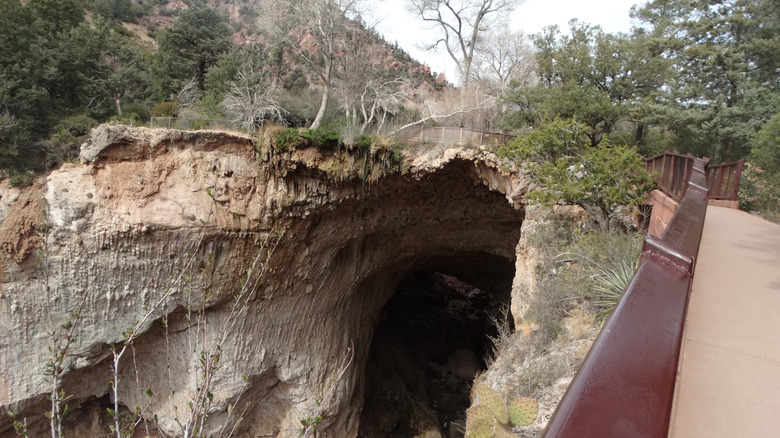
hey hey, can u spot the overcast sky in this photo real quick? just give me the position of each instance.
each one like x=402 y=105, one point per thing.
x=398 y=25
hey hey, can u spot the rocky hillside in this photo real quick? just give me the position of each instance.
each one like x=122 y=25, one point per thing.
x=130 y=60
x=147 y=17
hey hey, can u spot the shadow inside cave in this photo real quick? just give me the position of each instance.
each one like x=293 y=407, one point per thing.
x=433 y=338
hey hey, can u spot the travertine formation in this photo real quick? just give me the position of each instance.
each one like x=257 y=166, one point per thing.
x=152 y=211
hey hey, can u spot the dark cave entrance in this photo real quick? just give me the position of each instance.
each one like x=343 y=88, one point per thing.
x=433 y=337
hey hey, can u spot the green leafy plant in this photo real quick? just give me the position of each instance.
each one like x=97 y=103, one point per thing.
x=364 y=142
x=553 y=139
x=21 y=178
x=759 y=192
x=603 y=177
x=287 y=139
x=20 y=425
x=165 y=109
x=321 y=137
x=571 y=171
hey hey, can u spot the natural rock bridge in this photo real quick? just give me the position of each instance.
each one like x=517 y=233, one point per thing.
x=150 y=210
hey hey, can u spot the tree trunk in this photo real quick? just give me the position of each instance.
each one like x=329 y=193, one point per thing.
x=325 y=96
x=639 y=133
x=728 y=150
x=728 y=140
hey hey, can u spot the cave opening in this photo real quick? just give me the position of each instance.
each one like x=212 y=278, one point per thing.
x=432 y=339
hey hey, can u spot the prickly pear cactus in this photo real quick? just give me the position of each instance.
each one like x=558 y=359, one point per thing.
x=490 y=398
x=522 y=411
x=502 y=432
x=490 y=417
x=480 y=422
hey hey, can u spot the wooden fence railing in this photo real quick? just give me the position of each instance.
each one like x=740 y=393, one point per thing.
x=186 y=123
x=447 y=135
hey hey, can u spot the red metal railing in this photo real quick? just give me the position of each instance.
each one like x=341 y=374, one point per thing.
x=723 y=180
x=672 y=171
x=625 y=386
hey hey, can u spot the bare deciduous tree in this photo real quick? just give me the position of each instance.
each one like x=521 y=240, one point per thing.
x=461 y=22
x=189 y=93
x=502 y=56
x=365 y=91
x=251 y=99
x=315 y=31
x=449 y=104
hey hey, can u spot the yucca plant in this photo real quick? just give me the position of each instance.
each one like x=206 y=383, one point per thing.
x=609 y=285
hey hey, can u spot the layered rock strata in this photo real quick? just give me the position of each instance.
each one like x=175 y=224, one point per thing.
x=160 y=226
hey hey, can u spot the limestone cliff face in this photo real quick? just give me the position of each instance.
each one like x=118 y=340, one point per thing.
x=148 y=207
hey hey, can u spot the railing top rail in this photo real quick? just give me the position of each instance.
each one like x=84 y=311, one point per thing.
x=674 y=154
x=625 y=385
x=729 y=164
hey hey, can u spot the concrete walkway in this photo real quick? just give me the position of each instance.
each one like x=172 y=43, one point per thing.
x=728 y=384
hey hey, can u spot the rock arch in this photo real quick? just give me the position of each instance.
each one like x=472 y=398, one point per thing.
x=126 y=219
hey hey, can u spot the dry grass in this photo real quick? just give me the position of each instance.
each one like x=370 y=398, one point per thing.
x=579 y=324
x=539 y=374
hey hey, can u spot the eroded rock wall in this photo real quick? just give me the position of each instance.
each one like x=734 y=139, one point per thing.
x=152 y=211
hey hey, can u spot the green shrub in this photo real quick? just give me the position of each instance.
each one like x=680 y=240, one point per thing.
x=554 y=297
x=610 y=248
x=21 y=178
x=570 y=171
x=554 y=237
x=553 y=139
x=287 y=139
x=397 y=154
x=69 y=133
x=538 y=375
x=576 y=267
x=198 y=124
x=609 y=261
x=364 y=142
x=322 y=137
x=557 y=286
x=78 y=125
x=165 y=109
x=759 y=192
x=138 y=111
x=609 y=287
x=120 y=30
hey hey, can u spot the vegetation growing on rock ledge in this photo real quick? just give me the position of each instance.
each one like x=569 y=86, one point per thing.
x=367 y=156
